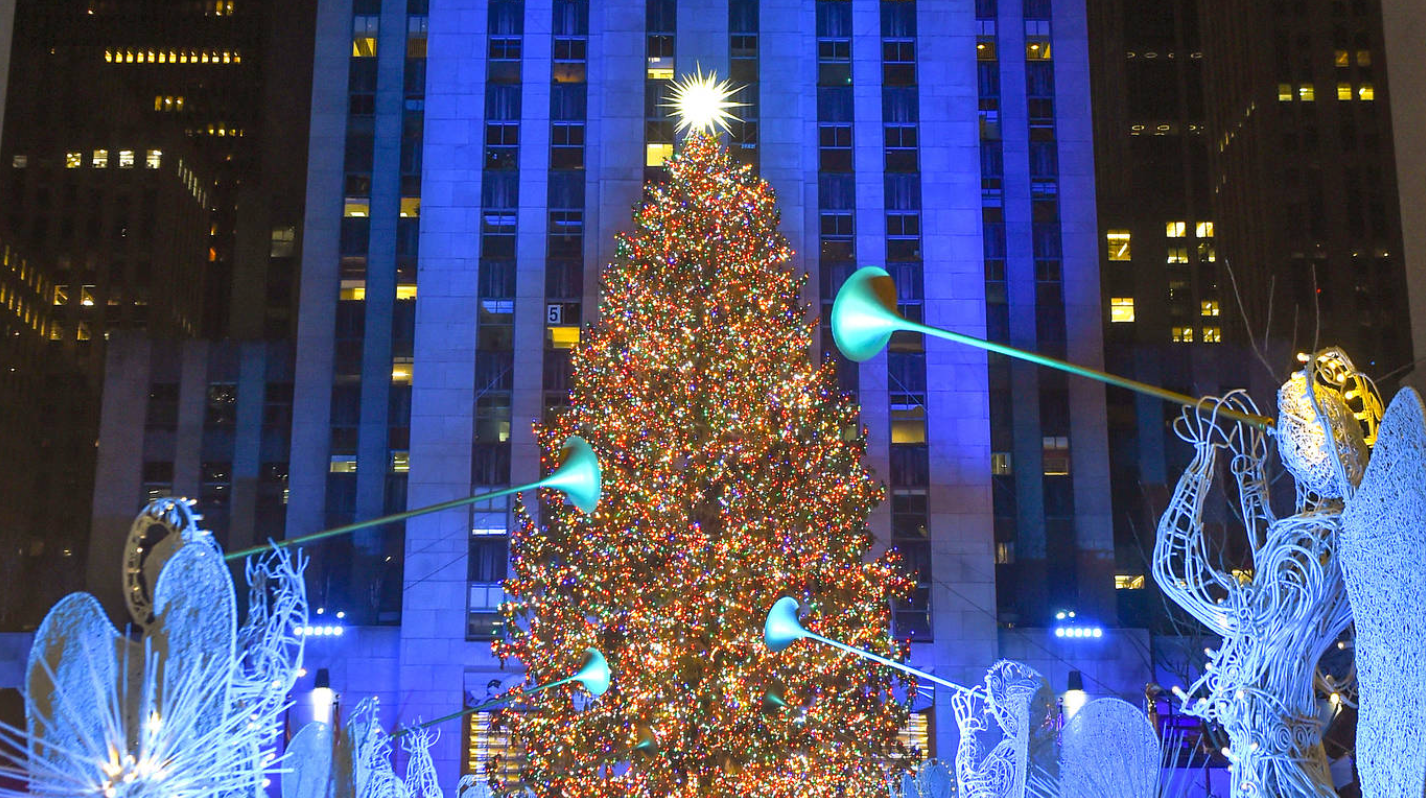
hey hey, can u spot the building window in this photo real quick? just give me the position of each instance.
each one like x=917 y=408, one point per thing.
x=1212 y=335
x=1364 y=58
x=100 y=159
x=1204 y=230
x=356 y=207
x=401 y=369
x=1176 y=229
x=364 y=30
x=1306 y=92
x=1366 y=93
x=655 y=153
x=1128 y=581
x=1000 y=464
x=1208 y=307
x=1344 y=91
x=1121 y=309
x=1005 y=552
x=1284 y=92
x=73 y=160
x=343 y=464
x=985 y=49
x=126 y=159
x=1341 y=58
x=1183 y=335
x=1118 y=241
x=1037 y=50
x=153 y=159
x=1056 y=455
x=908 y=424
x=20 y=161
x=1178 y=255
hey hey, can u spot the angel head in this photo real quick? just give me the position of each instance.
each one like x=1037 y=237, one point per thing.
x=1327 y=419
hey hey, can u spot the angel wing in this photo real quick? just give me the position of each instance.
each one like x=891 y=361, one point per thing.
x=1383 y=535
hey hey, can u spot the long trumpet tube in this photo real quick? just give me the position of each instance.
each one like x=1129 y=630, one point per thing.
x=864 y=316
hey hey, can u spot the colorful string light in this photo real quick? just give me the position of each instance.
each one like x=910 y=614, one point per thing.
x=733 y=475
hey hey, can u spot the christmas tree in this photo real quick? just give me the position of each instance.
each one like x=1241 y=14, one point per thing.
x=733 y=476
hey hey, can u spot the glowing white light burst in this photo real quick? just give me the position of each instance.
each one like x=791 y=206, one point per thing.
x=701 y=102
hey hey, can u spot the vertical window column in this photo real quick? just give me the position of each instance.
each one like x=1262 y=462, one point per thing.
x=660 y=27
x=564 y=264
x=495 y=324
x=743 y=68
x=906 y=355
x=836 y=189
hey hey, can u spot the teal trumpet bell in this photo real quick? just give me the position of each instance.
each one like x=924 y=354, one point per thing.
x=864 y=315
x=578 y=475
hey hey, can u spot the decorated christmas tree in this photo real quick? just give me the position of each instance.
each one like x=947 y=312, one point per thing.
x=733 y=476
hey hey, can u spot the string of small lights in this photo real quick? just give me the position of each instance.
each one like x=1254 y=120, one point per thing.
x=733 y=476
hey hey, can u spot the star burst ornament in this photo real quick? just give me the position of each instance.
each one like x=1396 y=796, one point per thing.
x=701 y=102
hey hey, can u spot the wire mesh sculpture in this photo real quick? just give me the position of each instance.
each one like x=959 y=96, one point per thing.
x=1383 y=537
x=1007 y=729
x=358 y=763
x=1275 y=621
x=175 y=709
x=1109 y=749
x=931 y=780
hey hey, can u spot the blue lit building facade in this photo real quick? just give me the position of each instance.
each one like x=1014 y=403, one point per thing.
x=470 y=163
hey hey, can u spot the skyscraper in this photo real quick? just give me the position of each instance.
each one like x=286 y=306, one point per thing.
x=470 y=163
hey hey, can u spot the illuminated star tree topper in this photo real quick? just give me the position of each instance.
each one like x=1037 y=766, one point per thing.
x=701 y=102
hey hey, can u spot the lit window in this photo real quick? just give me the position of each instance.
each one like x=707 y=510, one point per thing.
x=1364 y=58
x=126 y=159
x=1178 y=255
x=1208 y=307
x=1176 y=229
x=985 y=49
x=1204 y=230
x=73 y=160
x=153 y=159
x=1005 y=552
x=1128 y=581
x=1344 y=91
x=1366 y=93
x=61 y=294
x=410 y=207
x=86 y=296
x=1183 y=335
x=1341 y=58
x=660 y=72
x=100 y=160
x=564 y=337
x=656 y=154
x=353 y=290
x=343 y=464
x=81 y=333
x=364 y=29
x=406 y=291
x=1306 y=92
x=20 y=161
x=400 y=461
x=1207 y=253
x=1243 y=575
x=1118 y=241
x=359 y=207
x=1121 y=309
x=1284 y=92
x=908 y=424
x=1212 y=335
x=401 y=368
x=1037 y=50
x=1000 y=464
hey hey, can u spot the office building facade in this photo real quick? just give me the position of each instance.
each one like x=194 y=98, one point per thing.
x=470 y=163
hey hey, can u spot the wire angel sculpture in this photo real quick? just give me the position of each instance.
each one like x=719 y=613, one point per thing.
x=186 y=704
x=1007 y=730
x=1383 y=537
x=931 y=780
x=357 y=764
x=1109 y=749
x=1277 y=619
